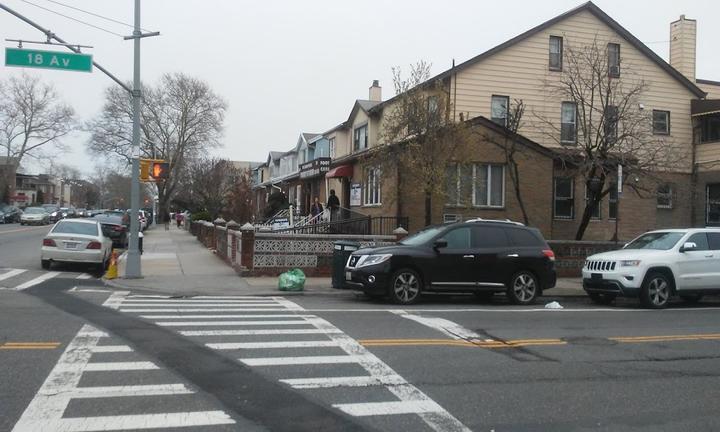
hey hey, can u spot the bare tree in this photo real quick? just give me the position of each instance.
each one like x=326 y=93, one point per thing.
x=33 y=119
x=241 y=198
x=181 y=117
x=610 y=127
x=419 y=138
x=212 y=181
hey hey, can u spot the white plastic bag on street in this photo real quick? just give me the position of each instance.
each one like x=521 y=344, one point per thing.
x=553 y=305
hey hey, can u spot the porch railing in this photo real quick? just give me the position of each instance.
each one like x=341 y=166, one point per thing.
x=365 y=225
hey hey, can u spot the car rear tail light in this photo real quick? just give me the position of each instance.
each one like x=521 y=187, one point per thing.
x=94 y=245
x=49 y=242
x=550 y=254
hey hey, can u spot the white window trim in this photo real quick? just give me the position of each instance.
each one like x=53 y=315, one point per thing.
x=489 y=185
x=571 y=197
x=506 y=99
x=574 y=140
x=366 y=142
x=371 y=188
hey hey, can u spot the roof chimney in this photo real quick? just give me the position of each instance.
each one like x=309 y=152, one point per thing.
x=683 y=33
x=376 y=91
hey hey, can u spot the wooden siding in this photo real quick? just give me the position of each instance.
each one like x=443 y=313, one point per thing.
x=519 y=72
x=713 y=91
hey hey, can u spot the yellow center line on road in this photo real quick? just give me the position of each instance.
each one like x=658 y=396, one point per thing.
x=666 y=338
x=29 y=345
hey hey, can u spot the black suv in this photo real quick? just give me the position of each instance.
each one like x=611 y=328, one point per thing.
x=479 y=256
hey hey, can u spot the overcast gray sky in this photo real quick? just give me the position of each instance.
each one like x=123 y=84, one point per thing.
x=290 y=66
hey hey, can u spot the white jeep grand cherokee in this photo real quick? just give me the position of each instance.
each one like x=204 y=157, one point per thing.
x=656 y=266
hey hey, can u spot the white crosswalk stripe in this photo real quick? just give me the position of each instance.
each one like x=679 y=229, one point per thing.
x=48 y=409
x=38 y=280
x=228 y=318
x=11 y=273
x=22 y=279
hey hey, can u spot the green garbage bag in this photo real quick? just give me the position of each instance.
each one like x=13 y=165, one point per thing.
x=293 y=280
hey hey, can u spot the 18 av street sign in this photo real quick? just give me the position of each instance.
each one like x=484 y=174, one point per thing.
x=48 y=60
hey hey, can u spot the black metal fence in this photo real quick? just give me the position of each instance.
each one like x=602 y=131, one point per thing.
x=366 y=225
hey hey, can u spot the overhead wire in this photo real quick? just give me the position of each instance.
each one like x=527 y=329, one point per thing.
x=94 y=14
x=72 y=18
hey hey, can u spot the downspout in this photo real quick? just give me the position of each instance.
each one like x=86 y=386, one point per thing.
x=693 y=178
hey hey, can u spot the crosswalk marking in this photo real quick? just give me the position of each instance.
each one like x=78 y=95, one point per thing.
x=133 y=422
x=269 y=345
x=11 y=273
x=252 y=332
x=38 y=280
x=193 y=301
x=390 y=408
x=111 y=349
x=208 y=305
x=120 y=366
x=84 y=276
x=228 y=323
x=154 y=317
x=211 y=309
x=349 y=381
x=306 y=360
x=126 y=391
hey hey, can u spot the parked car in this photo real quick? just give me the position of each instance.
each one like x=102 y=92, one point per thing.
x=10 y=214
x=479 y=256
x=76 y=241
x=35 y=216
x=68 y=212
x=656 y=266
x=114 y=227
x=54 y=211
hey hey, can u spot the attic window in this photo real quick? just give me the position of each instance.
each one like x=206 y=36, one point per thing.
x=556 y=53
x=613 y=50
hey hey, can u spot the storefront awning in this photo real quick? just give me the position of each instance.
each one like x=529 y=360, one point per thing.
x=340 y=171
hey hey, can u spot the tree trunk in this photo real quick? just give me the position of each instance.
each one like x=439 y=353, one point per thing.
x=515 y=177
x=587 y=214
x=428 y=208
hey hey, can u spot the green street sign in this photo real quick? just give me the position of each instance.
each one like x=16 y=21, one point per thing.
x=48 y=60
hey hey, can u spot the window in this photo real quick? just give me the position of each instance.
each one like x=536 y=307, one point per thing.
x=499 y=106
x=458 y=180
x=596 y=212
x=701 y=240
x=489 y=237
x=372 y=186
x=488 y=185
x=568 y=120
x=613 y=201
x=661 y=122
x=556 y=53
x=524 y=237
x=709 y=128
x=664 y=196
x=611 y=123
x=714 y=240
x=564 y=201
x=433 y=107
x=614 y=60
x=458 y=238
x=361 y=139
x=332 y=147
x=713 y=204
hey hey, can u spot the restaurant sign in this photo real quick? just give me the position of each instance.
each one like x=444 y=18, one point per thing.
x=315 y=167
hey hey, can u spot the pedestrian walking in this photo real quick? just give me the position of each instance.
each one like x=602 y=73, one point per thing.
x=333 y=203
x=316 y=210
x=178 y=219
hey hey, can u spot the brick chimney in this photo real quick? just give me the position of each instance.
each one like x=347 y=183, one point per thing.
x=683 y=34
x=376 y=91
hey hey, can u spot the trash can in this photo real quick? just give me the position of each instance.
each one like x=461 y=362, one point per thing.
x=341 y=253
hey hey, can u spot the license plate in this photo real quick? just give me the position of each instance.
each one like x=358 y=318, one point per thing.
x=596 y=276
x=348 y=275
x=70 y=245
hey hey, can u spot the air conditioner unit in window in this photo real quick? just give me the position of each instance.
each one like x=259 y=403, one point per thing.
x=614 y=70
x=451 y=218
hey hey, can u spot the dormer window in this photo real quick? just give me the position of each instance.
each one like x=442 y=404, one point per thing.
x=360 y=140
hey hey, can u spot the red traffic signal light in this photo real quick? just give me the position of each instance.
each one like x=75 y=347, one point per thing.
x=160 y=170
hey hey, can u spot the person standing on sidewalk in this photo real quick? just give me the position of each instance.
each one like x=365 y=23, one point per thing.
x=333 y=203
x=178 y=219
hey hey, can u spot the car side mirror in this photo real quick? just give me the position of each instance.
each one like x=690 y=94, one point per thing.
x=439 y=244
x=688 y=246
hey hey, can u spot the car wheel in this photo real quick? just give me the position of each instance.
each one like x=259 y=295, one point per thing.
x=45 y=264
x=691 y=298
x=602 y=298
x=655 y=291
x=405 y=286
x=523 y=289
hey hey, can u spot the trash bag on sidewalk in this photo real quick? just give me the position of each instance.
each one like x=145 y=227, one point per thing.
x=293 y=280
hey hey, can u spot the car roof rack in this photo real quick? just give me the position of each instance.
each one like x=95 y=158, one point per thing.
x=507 y=221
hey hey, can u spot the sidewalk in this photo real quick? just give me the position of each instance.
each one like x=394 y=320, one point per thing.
x=175 y=263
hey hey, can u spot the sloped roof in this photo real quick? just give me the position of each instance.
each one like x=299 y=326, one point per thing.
x=598 y=13
x=309 y=136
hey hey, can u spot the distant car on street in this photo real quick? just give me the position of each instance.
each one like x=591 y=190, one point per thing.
x=35 y=216
x=478 y=256
x=656 y=266
x=10 y=214
x=68 y=212
x=114 y=227
x=76 y=241
x=54 y=211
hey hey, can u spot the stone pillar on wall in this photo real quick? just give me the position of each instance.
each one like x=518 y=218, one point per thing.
x=247 y=246
x=232 y=240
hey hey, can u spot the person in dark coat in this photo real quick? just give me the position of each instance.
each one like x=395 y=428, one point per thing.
x=333 y=204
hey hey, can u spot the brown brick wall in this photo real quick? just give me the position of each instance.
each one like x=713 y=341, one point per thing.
x=703 y=179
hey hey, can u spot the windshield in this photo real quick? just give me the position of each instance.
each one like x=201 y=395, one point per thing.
x=422 y=237
x=75 y=228
x=34 y=210
x=656 y=240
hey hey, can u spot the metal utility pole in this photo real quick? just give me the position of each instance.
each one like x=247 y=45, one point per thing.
x=133 y=268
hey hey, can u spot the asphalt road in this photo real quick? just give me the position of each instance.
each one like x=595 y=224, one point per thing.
x=77 y=355
x=20 y=245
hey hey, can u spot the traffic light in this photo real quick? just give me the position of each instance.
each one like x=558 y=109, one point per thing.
x=145 y=170
x=160 y=170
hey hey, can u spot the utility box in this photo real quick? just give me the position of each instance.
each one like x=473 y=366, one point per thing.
x=341 y=253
